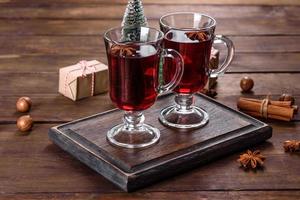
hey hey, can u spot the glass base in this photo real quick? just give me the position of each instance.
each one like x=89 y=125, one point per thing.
x=142 y=138
x=183 y=115
x=133 y=133
x=195 y=118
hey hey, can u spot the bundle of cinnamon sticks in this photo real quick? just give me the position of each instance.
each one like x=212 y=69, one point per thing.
x=266 y=108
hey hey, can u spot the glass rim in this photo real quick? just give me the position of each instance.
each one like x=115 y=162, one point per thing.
x=107 y=38
x=187 y=29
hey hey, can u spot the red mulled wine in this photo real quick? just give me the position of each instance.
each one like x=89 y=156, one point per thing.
x=196 y=56
x=133 y=77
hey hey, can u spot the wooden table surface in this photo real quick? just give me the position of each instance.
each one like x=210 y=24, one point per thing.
x=39 y=37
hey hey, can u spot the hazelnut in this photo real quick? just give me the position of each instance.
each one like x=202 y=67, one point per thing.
x=246 y=84
x=24 y=123
x=23 y=104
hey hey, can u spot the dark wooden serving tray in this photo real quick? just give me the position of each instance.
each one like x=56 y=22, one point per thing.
x=227 y=131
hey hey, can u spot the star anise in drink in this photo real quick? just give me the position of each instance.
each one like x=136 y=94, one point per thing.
x=291 y=145
x=197 y=35
x=251 y=159
x=122 y=50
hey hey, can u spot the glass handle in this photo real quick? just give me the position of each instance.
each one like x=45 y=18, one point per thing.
x=171 y=53
x=230 y=53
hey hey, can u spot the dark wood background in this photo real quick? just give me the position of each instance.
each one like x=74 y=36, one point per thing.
x=39 y=37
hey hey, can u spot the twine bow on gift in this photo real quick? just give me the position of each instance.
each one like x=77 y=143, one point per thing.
x=85 y=68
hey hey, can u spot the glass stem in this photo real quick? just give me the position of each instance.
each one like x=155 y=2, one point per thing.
x=184 y=103
x=133 y=120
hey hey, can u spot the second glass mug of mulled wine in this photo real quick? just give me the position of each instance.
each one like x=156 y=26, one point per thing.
x=134 y=77
x=192 y=35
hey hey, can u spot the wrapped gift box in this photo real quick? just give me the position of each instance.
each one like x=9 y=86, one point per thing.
x=84 y=79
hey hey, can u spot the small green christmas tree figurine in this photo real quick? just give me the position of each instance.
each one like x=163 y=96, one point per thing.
x=133 y=19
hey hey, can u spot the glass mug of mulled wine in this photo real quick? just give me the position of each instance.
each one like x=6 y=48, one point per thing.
x=192 y=35
x=134 y=77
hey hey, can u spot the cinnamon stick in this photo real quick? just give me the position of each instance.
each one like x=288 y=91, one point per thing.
x=281 y=110
x=287 y=104
x=256 y=114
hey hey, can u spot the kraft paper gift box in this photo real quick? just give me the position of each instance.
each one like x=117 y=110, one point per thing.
x=84 y=79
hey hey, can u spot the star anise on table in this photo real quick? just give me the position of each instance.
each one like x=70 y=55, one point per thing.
x=291 y=145
x=251 y=159
x=196 y=35
x=122 y=50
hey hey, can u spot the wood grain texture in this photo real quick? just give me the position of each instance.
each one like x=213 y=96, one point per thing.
x=95 y=27
x=56 y=108
x=159 y=2
x=44 y=167
x=193 y=195
x=47 y=83
x=32 y=168
x=242 y=63
x=204 y=195
x=152 y=11
x=87 y=45
x=176 y=151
